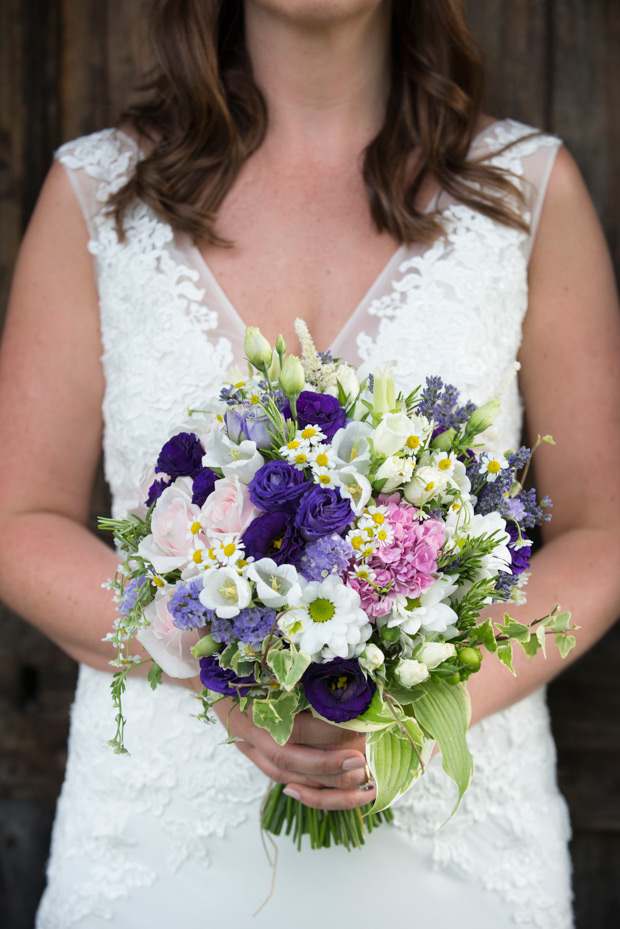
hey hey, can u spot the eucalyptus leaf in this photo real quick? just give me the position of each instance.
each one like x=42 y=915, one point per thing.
x=444 y=713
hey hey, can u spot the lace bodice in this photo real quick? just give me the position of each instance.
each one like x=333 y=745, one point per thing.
x=454 y=308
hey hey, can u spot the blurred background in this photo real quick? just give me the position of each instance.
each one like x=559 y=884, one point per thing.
x=67 y=68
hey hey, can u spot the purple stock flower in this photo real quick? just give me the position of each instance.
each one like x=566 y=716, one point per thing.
x=278 y=486
x=329 y=555
x=156 y=490
x=320 y=410
x=203 y=486
x=338 y=690
x=273 y=535
x=181 y=456
x=322 y=511
x=251 y=625
x=222 y=680
x=185 y=607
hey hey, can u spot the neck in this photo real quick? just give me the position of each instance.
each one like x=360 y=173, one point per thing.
x=325 y=79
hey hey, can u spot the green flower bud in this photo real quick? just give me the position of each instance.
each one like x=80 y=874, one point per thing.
x=390 y=634
x=482 y=418
x=453 y=679
x=292 y=378
x=281 y=346
x=275 y=367
x=384 y=390
x=205 y=646
x=443 y=442
x=257 y=348
x=470 y=657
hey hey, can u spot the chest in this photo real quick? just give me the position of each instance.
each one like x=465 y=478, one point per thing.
x=304 y=245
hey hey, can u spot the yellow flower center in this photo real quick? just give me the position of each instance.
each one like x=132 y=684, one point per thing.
x=277 y=543
x=493 y=467
x=195 y=528
x=340 y=683
x=429 y=486
x=413 y=442
x=254 y=399
x=322 y=460
x=229 y=549
x=301 y=458
x=308 y=432
x=197 y=557
x=293 y=445
x=444 y=464
x=382 y=535
x=321 y=610
x=325 y=479
x=229 y=591
x=356 y=542
x=378 y=518
x=158 y=582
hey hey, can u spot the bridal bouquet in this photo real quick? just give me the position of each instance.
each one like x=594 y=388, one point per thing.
x=314 y=541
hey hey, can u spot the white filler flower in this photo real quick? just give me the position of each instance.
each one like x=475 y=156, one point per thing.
x=329 y=622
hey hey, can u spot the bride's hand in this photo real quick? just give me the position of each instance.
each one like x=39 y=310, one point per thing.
x=322 y=765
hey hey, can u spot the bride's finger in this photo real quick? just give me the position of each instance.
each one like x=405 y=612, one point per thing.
x=326 y=799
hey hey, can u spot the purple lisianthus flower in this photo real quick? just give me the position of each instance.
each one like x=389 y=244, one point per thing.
x=320 y=410
x=203 y=486
x=519 y=556
x=156 y=490
x=278 y=486
x=338 y=690
x=248 y=421
x=181 y=456
x=222 y=680
x=273 y=535
x=322 y=511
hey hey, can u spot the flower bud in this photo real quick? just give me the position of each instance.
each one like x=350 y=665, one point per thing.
x=384 y=390
x=409 y=672
x=348 y=381
x=482 y=418
x=275 y=367
x=257 y=348
x=292 y=378
x=205 y=646
x=281 y=346
x=371 y=658
x=443 y=442
x=433 y=653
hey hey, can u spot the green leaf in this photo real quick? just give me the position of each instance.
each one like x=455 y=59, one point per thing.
x=565 y=643
x=276 y=716
x=485 y=634
x=504 y=653
x=541 y=635
x=531 y=647
x=154 y=676
x=444 y=713
x=288 y=665
x=513 y=629
x=378 y=716
x=394 y=764
x=226 y=656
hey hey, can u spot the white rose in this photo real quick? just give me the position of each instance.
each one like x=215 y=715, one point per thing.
x=434 y=653
x=395 y=472
x=371 y=658
x=410 y=672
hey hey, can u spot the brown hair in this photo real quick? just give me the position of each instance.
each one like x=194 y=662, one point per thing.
x=204 y=116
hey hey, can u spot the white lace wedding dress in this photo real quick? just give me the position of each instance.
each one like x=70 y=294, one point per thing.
x=169 y=835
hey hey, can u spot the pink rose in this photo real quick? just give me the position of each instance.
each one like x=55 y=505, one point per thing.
x=228 y=510
x=167 y=645
x=172 y=543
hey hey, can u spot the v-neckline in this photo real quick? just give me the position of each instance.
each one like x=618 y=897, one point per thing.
x=234 y=313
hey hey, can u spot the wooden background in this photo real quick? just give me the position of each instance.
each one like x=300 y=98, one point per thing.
x=66 y=67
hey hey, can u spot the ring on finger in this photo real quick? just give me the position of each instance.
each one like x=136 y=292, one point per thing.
x=369 y=783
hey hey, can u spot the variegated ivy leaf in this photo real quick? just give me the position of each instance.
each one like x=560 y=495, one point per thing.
x=276 y=716
x=504 y=653
x=288 y=665
x=484 y=633
x=513 y=629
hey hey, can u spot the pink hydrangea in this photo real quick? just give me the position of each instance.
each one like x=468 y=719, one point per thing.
x=409 y=561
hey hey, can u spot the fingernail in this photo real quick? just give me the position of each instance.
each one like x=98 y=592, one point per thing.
x=353 y=764
x=291 y=792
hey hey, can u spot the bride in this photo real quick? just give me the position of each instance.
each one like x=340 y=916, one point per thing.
x=324 y=159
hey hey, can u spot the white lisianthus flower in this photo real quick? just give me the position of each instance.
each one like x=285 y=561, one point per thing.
x=371 y=658
x=410 y=672
x=329 y=621
x=226 y=592
x=434 y=653
x=500 y=558
x=242 y=460
x=351 y=446
x=355 y=487
x=345 y=377
x=428 y=611
x=276 y=585
x=392 y=433
x=395 y=472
